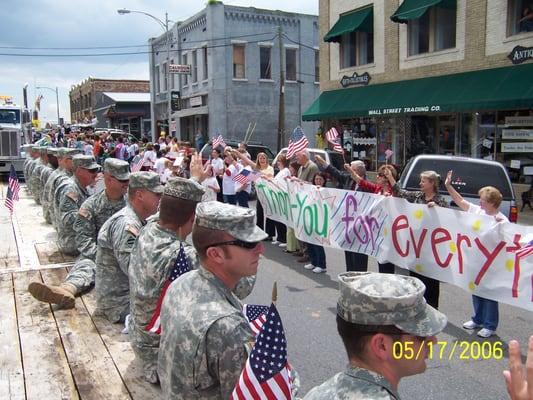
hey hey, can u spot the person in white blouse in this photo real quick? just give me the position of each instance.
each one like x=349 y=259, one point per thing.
x=283 y=174
x=210 y=184
x=149 y=158
x=228 y=184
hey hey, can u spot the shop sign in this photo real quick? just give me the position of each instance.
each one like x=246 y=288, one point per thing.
x=519 y=147
x=404 y=110
x=519 y=121
x=365 y=141
x=195 y=101
x=517 y=133
x=520 y=54
x=179 y=69
x=355 y=80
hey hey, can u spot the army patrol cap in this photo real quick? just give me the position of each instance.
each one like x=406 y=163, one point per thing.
x=85 y=162
x=70 y=152
x=118 y=169
x=146 y=180
x=186 y=189
x=239 y=222
x=370 y=298
x=51 y=151
x=43 y=150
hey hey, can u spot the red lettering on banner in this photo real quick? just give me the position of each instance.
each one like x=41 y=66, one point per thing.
x=490 y=256
x=461 y=238
x=418 y=245
x=516 y=277
x=400 y=223
x=440 y=235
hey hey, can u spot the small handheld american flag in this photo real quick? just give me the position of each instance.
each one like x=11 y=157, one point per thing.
x=13 y=188
x=136 y=166
x=180 y=267
x=218 y=141
x=266 y=373
x=332 y=136
x=297 y=142
x=246 y=176
x=525 y=250
x=256 y=316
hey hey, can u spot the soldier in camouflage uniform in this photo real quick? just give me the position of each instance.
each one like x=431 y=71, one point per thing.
x=35 y=177
x=152 y=258
x=34 y=154
x=61 y=174
x=205 y=338
x=115 y=244
x=46 y=171
x=91 y=216
x=26 y=148
x=375 y=311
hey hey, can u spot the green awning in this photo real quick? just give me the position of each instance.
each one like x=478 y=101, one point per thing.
x=413 y=9
x=360 y=20
x=490 y=89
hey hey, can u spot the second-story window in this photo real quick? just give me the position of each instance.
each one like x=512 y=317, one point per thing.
x=204 y=62
x=239 y=61
x=185 y=77
x=356 y=48
x=194 y=66
x=265 y=62
x=317 y=66
x=519 y=16
x=157 y=77
x=165 y=77
x=290 y=64
x=433 y=31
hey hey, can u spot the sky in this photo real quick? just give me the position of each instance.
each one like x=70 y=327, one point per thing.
x=79 y=24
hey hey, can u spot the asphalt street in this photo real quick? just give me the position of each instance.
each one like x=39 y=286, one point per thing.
x=307 y=304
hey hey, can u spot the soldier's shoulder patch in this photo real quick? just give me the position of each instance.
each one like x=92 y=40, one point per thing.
x=133 y=230
x=72 y=196
x=84 y=213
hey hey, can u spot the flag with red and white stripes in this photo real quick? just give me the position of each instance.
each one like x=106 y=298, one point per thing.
x=332 y=136
x=181 y=266
x=137 y=165
x=218 y=141
x=256 y=316
x=525 y=250
x=297 y=142
x=246 y=176
x=266 y=374
x=13 y=188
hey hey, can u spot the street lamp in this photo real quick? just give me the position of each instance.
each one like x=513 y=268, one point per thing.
x=57 y=98
x=163 y=25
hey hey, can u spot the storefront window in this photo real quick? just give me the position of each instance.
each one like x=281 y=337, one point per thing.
x=360 y=137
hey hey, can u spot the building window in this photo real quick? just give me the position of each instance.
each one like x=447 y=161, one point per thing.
x=265 y=62
x=317 y=66
x=156 y=79
x=290 y=64
x=165 y=77
x=356 y=48
x=172 y=77
x=238 y=61
x=194 y=66
x=185 y=77
x=519 y=16
x=433 y=31
x=204 y=62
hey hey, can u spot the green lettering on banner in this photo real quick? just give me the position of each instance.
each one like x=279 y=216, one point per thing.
x=274 y=197
x=325 y=222
x=308 y=222
x=300 y=206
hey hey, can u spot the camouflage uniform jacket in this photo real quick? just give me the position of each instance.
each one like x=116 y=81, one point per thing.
x=71 y=196
x=115 y=244
x=205 y=338
x=354 y=383
x=151 y=260
x=46 y=171
x=31 y=166
x=93 y=213
x=49 y=189
x=26 y=169
x=35 y=181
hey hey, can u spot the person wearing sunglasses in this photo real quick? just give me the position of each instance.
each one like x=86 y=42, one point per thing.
x=91 y=215
x=205 y=336
x=377 y=314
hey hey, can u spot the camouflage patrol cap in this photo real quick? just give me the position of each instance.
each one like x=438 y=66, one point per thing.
x=118 y=169
x=85 y=162
x=146 y=180
x=35 y=148
x=70 y=152
x=239 y=222
x=43 y=150
x=370 y=298
x=186 y=189
x=51 y=151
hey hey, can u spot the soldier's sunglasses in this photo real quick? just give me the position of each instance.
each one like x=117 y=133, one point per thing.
x=236 y=242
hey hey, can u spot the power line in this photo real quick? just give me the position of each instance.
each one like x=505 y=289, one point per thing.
x=298 y=43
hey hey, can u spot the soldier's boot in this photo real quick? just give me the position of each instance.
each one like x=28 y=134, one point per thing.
x=62 y=295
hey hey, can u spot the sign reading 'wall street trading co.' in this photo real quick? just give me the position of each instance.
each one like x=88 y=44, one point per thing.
x=355 y=79
x=404 y=110
x=520 y=54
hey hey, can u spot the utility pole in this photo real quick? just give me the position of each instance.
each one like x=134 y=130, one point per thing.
x=281 y=111
x=167 y=74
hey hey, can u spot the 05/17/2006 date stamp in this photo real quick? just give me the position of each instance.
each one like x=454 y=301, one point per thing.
x=443 y=350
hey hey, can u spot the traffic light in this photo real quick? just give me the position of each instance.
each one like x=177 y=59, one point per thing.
x=175 y=100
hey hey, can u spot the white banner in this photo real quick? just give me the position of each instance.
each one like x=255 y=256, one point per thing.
x=467 y=250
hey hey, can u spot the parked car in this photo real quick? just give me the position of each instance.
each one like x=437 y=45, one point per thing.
x=253 y=149
x=469 y=175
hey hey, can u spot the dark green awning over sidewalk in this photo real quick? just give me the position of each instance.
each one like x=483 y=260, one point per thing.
x=490 y=89
x=413 y=9
x=361 y=20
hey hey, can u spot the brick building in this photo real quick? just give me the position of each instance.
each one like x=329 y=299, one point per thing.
x=84 y=96
x=425 y=76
